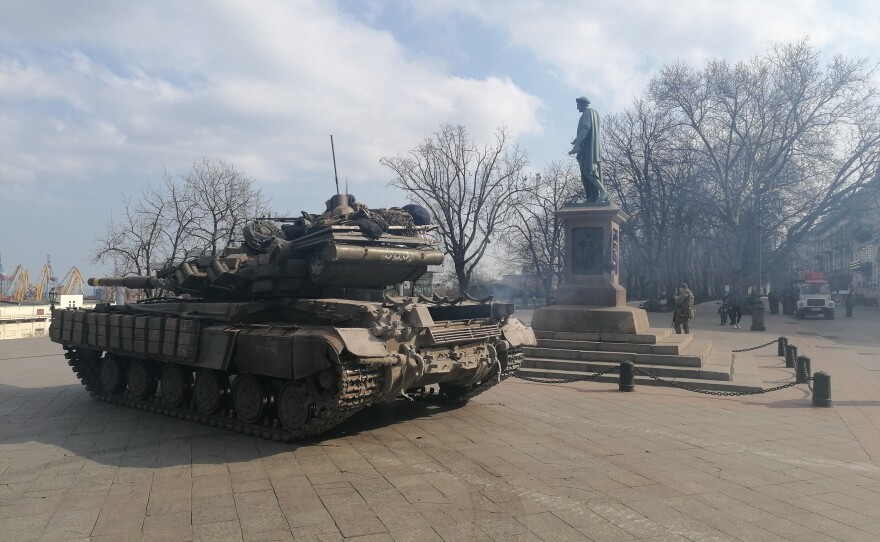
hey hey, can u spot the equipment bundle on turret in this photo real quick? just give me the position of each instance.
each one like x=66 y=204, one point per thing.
x=293 y=331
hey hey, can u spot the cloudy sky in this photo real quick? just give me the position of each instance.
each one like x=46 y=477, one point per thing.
x=98 y=98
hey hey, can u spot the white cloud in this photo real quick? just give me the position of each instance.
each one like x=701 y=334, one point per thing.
x=608 y=48
x=146 y=85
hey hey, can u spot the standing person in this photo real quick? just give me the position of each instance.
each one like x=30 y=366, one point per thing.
x=735 y=302
x=723 y=311
x=684 y=309
x=850 y=302
x=773 y=300
x=585 y=147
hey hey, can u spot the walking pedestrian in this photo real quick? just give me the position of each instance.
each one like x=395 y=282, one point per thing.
x=735 y=301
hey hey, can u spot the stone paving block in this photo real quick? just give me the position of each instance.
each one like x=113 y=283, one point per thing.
x=23 y=528
x=223 y=531
x=120 y=520
x=305 y=513
x=169 y=503
x=213 y=515
x=360 y=527
x=168 y=527
x=327 y=531
x=416 y=535
x=462 y=532
x=247 y=486
x=273 y=521
x=72 y=523
x=213 y=501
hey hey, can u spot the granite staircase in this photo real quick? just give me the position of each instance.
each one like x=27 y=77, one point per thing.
x=678 y=358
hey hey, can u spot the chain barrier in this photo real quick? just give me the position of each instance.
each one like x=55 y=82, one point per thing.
x=717 y=393
x=774 y=341
x=802 y=366
x=564 y=380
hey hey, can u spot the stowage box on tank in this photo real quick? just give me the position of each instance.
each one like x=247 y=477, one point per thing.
x=294 y=331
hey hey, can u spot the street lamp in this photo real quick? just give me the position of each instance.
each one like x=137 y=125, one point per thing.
x=754 y=203
x=53 y=297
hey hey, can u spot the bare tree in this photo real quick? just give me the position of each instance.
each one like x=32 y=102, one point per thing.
x=224 y=200
x=651 y=166
x=199 y=212
x=534 y=239
x=468 y=189
x=781 y=142
x=132 y=243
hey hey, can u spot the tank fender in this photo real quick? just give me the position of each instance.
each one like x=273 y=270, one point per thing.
x=216 y=347
x=517 y=334
x=313 y=350
x=360 y=342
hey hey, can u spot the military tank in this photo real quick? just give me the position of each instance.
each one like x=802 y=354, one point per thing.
x=293 y=331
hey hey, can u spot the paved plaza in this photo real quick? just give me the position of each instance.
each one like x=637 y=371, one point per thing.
x=523 y=461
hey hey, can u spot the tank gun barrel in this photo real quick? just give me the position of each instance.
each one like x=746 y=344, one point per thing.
x=132 y=281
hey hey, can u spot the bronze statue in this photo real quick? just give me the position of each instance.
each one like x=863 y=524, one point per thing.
x=586 y=149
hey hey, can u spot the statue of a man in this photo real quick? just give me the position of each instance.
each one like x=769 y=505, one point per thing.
x=585 y=147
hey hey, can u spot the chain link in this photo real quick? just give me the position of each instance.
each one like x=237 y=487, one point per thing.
x=710 y=392
x=774 y=341
x=564 y=380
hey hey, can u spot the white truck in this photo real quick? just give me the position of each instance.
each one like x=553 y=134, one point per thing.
x=814 y=296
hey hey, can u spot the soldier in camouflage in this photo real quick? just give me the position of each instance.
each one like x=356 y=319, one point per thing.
x=684 y=309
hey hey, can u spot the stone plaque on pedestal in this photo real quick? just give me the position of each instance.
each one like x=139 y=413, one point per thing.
x=590 y=298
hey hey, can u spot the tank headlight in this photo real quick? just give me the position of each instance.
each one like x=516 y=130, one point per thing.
x=831 y=304
x=800 y=303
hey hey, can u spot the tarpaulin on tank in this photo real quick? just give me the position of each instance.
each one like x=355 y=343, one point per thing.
x=518 y=334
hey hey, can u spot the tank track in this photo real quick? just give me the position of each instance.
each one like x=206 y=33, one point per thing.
x=360 y=388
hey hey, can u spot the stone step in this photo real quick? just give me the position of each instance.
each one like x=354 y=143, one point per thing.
x=650 y=336
x=692 y=355
x=672 y=345
x=573 y=367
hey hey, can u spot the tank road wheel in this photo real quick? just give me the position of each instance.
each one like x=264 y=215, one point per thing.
x=112 y=375
x=250 y=398
x=212 y=391
x=294 y=405
x=141 y=380
x=176 y=385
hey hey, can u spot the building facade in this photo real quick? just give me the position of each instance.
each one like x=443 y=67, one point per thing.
x=849 y=254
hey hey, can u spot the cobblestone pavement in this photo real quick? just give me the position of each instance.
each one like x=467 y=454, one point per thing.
x=521 y=462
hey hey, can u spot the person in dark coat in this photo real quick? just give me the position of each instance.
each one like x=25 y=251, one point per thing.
x=773 y=300
x=735 y=302
x=849 y=302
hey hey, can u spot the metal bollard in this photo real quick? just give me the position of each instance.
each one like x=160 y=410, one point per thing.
x=626 y=376
x=802 y=371
x=780 y=350
x=789 y=360
x=821 y=389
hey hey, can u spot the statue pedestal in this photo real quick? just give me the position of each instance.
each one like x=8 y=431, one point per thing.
x=592 y=329
x=590 y=300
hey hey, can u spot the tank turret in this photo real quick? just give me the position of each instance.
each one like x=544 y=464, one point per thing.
x=294 y=329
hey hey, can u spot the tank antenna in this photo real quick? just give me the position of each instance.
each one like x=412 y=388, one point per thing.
x=335 y=175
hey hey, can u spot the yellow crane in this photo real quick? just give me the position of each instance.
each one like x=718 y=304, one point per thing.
x=72 y=283
x=17 y=287
x=41 y=288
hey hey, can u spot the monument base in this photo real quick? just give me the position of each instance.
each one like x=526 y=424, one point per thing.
x=603 y=295
x=619 y=320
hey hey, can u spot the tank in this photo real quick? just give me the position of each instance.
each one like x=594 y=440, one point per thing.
x=294 y=330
